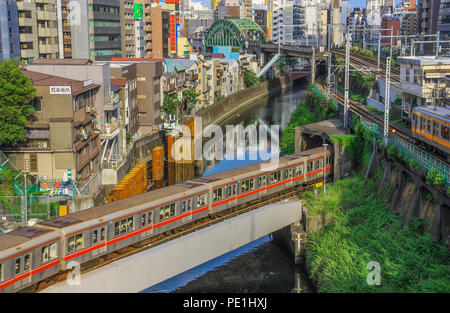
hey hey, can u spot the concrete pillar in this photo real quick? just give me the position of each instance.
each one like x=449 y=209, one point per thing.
x=298 y=139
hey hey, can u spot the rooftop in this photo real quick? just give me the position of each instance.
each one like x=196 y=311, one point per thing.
x=40 y=79
x=63 y=61
x=440 y=112
x=425 y=60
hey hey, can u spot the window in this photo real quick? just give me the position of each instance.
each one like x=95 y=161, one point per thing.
x=310 y=164
x=76 y=242
x=53 y=251
x=26 y=263
x=44 y=254
x=429 y=126
x=149 y=221
x=95 y=236
x=298 y=170
x=130 y=225
x=143 y=219
x=166 y=210
x=161 y=213
x=444 y=132
x=116 y=228
x=172 y=209
x=102 y=234
x=201 y=200
x=435 y=129
x=33 y=162
x=17 y=266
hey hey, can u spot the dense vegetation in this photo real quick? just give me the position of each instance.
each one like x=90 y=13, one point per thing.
x=363 y=231
x=250 y=78
x=16 y=93
x=315 y=109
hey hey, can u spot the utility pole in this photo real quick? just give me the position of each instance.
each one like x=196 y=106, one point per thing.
x=437 y=44
x=25 y=209
x=379 y=51
x=347 y=79
x=325 y=169
x=387 y=101
x=329 y=66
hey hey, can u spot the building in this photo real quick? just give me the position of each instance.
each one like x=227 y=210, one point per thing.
x=9 y=30
x=443 y=24
x=148 y=90
x=423 y=81
x=61 y=138
x=427 y=16
x=260 y=16
x=158 y=32
x=38 y=28
x=105 y=29
x=390 y=22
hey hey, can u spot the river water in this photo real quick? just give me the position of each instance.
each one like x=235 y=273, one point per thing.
x=260 y=266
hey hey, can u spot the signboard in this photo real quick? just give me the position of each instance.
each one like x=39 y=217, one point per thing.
x=318 y=185
x=88 y=83
x=138 y=11
x=60 y=90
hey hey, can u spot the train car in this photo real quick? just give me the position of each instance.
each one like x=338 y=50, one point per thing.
x=28 y=255
x=430 y=125
x=91 y=233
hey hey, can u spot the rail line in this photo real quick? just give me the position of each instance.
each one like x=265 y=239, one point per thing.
x=177 y=233
x=369 y=61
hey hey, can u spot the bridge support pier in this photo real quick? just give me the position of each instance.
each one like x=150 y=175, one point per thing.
x=297 y=237
x=313 y=66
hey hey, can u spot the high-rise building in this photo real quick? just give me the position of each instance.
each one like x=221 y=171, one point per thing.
x=427 y=15
x=38 y=28
x=105 y=29
x=9 y=30
x=443 y=25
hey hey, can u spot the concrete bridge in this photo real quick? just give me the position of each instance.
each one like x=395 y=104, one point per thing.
x=154 y=265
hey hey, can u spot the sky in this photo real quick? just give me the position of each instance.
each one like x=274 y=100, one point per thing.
x=352 y=3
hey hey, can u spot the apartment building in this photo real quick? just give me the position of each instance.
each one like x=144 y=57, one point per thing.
x=148 y=91
x=423 y=81
x=61 y=137
x=443 y=23
x=105 y=29
x=9 y=30
x=427 y=16
x=38 y=28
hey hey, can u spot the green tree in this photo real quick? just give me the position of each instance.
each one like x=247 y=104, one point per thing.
x=191 y=98
x=250 y=78
x=171 y=104
x=16 y=93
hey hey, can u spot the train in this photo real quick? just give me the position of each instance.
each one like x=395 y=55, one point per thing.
x=430 y=126
x=32 y=254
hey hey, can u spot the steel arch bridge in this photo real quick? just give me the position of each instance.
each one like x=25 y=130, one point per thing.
x=233 y=33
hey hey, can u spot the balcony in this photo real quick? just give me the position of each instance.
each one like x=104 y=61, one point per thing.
x=48 y=48
x=46 y=15
x=27 y=37
x=148 y=37
x=111 y=130
x=47 y=32
x=148 y=28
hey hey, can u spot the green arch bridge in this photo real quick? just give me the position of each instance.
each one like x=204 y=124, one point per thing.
x=233 y=33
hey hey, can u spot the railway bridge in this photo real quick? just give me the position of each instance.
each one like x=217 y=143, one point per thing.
x=139 y=271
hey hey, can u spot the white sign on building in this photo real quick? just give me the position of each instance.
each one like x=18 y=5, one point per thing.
x=60 y=90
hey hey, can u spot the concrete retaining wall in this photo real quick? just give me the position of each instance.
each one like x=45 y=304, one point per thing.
x=150 y=267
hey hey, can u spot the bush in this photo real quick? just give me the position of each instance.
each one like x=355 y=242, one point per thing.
x=434 y=177
x=250 y=78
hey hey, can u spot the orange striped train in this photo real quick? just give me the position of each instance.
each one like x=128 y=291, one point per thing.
x=430 y=125
x=31 y=254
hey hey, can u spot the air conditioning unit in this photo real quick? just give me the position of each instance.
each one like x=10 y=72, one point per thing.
x=84 y=135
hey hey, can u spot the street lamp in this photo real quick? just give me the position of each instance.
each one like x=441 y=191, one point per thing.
x=324 y=168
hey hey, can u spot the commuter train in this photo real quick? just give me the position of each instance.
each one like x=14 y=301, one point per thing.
x=32 y=254
x=430 y=125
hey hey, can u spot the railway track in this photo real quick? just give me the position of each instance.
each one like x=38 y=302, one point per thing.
x=176 y=233
x=369 y=61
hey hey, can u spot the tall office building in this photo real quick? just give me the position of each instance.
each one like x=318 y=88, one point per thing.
x=443 y=24
x=427 y=16
x=38 y=28
x=9 y=30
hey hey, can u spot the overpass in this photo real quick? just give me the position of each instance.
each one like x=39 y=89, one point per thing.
x=154 y=265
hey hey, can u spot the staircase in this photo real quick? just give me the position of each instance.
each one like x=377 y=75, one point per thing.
x=269 y=65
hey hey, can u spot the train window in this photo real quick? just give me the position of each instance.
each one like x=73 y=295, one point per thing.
x=271 y=178
x=290 y=172
x=94 y=236
x=422 y=123
x=234 y=190
x=219 y=194
x=259 y=181
x=244 y=186
x=316 y=164
x=166 y=211
x=183 y=206
x=215 y=195
x=252 y=184
x=130 y=224
x=102 y=234
x=429 y=126
x=285 y=173
x=172 y=209
x=150 y=215
x=17 y=266
x=161 y=213
x=228 y=193
x=26 y=263
x=53 y=251
x=143 y=219
x=201 y=200
x=44 y=254
x=72 y=241
x=444 y=132
x=79 y=242
x=298 y=170
x=264 y=180
x=116 y=228
x=189 y=204
x=310 y=164
x=435 y=129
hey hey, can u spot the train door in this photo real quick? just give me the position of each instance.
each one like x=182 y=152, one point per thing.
x=232 y=194
x=186 y=210
x=98 y=238
x=22 y=264
x=262 y=182
x=147 y=223
x=289 y=175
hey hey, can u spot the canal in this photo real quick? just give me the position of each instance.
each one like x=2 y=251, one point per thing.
x=262 y=265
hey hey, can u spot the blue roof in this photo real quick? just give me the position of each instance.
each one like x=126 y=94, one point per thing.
x=178 y=64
